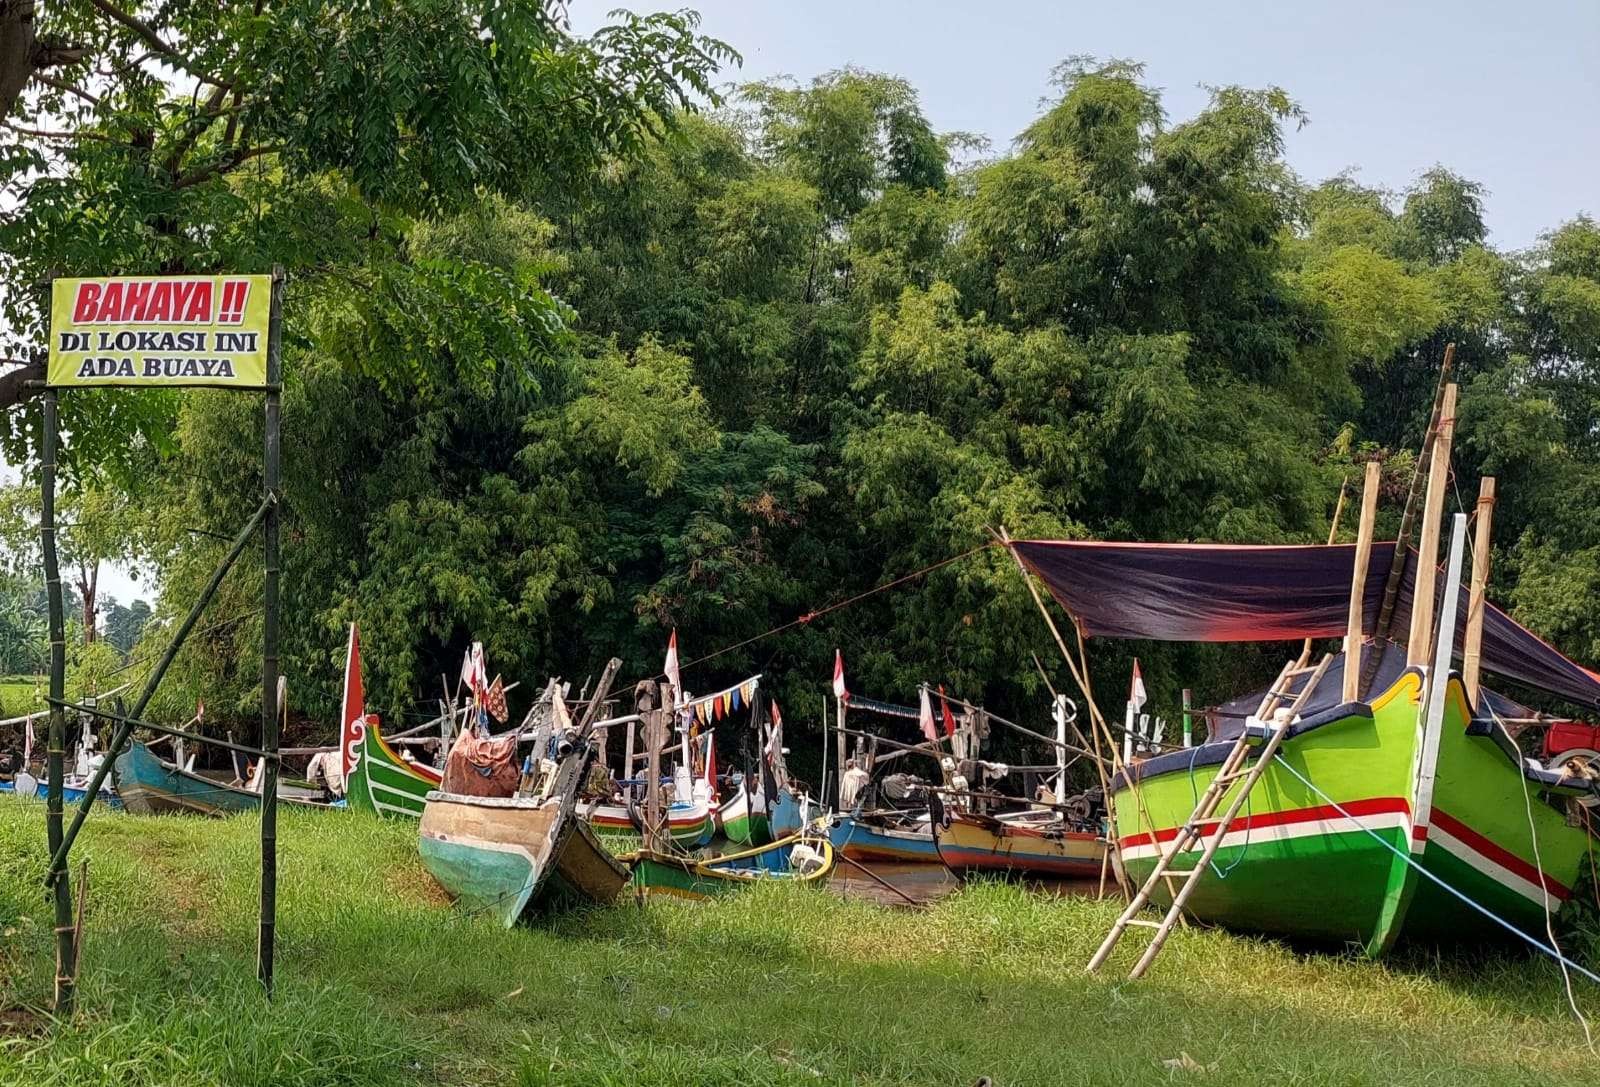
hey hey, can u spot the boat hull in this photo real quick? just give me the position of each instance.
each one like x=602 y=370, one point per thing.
x=859 y=839
x=383 y=782
x=1354 y=860
x=977 y=845
x=677 y=876
x=743 y=820
x=148 y=785
x=689 y=825
x=503 y=857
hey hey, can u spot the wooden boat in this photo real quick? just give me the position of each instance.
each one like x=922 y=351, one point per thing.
x=742 y=818
x=150 y=785
x=380 y=780
x=1404 y=814
x=505 y=856
x=1016 y=844
x=799 y=858
x=72 y=790
x=376 y=778
x=876 y=836
x=690 y=825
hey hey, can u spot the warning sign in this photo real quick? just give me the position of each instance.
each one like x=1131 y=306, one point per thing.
x=160 y=330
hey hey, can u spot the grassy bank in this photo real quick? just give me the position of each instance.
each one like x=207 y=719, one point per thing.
x=382 y=983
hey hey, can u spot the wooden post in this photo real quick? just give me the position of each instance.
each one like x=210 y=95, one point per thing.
x=271 y=482
x=655 y=737
x=1428 y=543
x=841 y=743
x=56 y=752
x=1188 y=718
x=627 y=760
x=1358 y=582
x=1472 y=648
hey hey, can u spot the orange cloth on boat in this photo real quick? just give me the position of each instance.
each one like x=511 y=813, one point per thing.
x=482 y=767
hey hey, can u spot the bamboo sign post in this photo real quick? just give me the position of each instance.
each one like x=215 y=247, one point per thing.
x=143 y=332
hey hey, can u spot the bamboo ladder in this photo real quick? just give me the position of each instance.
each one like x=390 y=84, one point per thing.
x=1233 y=769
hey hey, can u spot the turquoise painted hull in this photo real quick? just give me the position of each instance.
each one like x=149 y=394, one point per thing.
x=496 y=882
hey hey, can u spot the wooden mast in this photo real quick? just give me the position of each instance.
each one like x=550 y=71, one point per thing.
x=1358 y=583
x=1418 y=642
x=1472 y=648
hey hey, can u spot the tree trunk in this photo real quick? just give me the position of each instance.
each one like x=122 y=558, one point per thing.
x=88 y=579
x=23 y=53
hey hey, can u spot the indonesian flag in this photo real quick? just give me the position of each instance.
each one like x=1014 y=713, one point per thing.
x=839 y=691
x=925 y=718
x=949 y=718
x=671 y=667
x=352 y=716
x=1136 y=693
x=473 y=673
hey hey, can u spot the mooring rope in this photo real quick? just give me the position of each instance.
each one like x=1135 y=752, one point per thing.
x=1491 y=915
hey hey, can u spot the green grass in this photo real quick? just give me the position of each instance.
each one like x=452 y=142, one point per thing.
x=379 y=982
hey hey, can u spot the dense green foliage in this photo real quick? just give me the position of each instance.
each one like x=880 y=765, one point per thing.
x=721 y=371
x=381 y=983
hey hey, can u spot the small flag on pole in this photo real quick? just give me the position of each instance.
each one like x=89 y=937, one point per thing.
x=495 y=701
x=949 y=718
x=839 y=690
x=671 y=668
x=1136 y=692
x=925 y=718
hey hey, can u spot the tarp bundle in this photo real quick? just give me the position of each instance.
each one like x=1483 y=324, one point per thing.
x=1266 y=593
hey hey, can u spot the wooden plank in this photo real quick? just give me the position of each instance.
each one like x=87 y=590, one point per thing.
x=1421 y=637
x=1472 y=648
x=1358 y=582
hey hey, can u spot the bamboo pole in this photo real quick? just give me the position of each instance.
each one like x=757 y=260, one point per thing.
x=1333 y=538
x=1397 y=563
x=57 y=879
x=1472 y=648
x=272 y=487
x=1358 y=582
x=1428 y=542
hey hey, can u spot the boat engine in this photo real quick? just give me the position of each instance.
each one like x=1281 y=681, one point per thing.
x=904 y=789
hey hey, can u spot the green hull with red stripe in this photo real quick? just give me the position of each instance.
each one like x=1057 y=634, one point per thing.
x=1337 y=861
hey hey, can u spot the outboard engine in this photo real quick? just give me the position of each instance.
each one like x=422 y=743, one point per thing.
x=904 y=789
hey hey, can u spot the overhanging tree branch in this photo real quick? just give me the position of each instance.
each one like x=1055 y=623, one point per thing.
x=160 y=45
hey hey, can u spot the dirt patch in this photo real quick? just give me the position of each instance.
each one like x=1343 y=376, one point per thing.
x=22 y=1023
x=411 y=886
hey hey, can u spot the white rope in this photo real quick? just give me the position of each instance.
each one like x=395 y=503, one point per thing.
x=1538 y=864
x=1375 y=836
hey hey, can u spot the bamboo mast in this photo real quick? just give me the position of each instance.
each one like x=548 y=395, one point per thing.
x=1472 y=648
x=1397 y=564
x=1423 y=586
x=1358 y=583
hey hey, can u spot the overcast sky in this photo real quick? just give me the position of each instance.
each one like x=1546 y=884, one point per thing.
x=1505 y=92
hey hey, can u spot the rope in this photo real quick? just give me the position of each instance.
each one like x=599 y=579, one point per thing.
x=1249 y=810
x=1496 y=918
x=820 y=612
x=1544 y=891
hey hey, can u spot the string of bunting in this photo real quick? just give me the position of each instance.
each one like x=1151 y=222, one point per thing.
x=714 y=707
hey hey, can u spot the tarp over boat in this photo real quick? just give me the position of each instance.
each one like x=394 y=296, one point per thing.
x=1266 y=593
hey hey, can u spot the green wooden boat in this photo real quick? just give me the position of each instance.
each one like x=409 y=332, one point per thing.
x=380 y=780
x=743 y=818
x=800 y=858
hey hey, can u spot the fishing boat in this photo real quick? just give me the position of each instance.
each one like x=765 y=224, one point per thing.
x=72 y=789
x=691 y=823
x=508 y=855
x=1398 y=806
x=376 y=778
x=803 y=859
x=1019 y=844
x=150 y=785
x=742 y=818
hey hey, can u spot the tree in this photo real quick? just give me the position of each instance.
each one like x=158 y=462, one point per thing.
x=94 y=527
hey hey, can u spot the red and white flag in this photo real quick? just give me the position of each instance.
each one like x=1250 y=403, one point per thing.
x=925 y=718
x=671 y=667
x=353 y=713
x=473 y=673
x=949 y=718
x=27 y=743
x=839 y=690
x=1136 y=693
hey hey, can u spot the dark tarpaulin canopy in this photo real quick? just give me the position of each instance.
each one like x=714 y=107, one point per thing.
x=1266 y=593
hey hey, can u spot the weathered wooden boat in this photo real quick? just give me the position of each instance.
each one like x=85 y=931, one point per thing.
x=1016 y=844
x=690 y=825
x=742 y=818
x=150 y=785
x=905 y=838
x=1406 y=813
x=799 y=859
x=505 y=856
x=509 y=855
